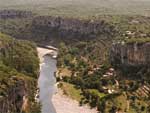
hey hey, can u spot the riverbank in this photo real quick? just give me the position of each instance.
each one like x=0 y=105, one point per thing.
x=64 y=104
x=61 y=102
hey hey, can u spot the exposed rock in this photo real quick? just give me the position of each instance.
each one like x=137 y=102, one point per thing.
x=12 y=101
x=130 y=54
x=73 y=28
x=5 y=14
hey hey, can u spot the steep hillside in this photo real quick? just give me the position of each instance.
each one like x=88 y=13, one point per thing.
x=19 y=66
x=72 y=29
x=134 y=54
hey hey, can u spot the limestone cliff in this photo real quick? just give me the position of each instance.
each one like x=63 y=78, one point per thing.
x=12 y=96
x=134 y=54
x=73 y=28
x=53 y=30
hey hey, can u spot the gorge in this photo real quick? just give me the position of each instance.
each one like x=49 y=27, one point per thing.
x=102 y=62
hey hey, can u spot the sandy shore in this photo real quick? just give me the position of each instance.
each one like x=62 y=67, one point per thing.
x=42 y=52
x=62 y=103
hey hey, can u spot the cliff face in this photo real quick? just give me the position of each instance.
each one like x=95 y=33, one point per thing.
x=5 y=14
x=12 y=100
x=73 y=28
x=48 y=29
x=130 y=54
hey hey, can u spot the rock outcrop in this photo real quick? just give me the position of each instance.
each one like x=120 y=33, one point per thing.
x=5 y=14
x=130 y=54
x=73 y=28
x=12 y=100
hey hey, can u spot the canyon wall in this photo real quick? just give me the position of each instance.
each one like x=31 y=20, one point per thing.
x=73 y=28
x=130 y=54
x=53 y=30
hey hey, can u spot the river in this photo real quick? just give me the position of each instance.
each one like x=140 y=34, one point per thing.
x=47 y=82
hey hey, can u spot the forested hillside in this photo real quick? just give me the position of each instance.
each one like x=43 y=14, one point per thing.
x=19 y=66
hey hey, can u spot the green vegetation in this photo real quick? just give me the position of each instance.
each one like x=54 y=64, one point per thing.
x=133 y=23
x=88 y=62
x=137 y=40
x=96 y=93
x=71 y=91
x=20 y=55
x=114 y=103
x=19 y=66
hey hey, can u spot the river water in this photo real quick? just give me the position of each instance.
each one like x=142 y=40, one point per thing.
x=46 y=83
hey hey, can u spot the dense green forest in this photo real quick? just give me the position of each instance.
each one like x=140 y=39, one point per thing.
x=19 y=66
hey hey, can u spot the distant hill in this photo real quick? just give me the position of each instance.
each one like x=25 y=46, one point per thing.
x=81 y=7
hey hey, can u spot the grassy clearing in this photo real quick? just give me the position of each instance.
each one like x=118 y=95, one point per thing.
x=97 y=93
x=71 y=91
x=64 y=72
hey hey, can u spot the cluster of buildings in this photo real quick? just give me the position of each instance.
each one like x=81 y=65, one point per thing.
x=110 y=73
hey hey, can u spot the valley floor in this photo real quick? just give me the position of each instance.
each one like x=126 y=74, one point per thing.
x=64 y=104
